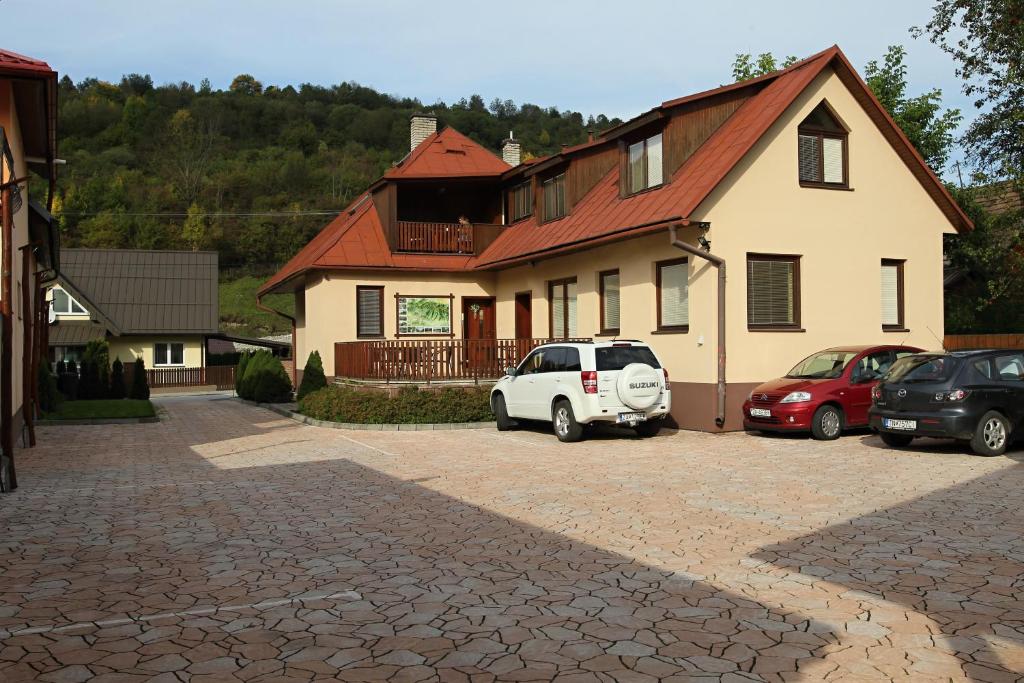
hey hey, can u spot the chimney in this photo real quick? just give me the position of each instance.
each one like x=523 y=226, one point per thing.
x=511 y=152
x=421 y=126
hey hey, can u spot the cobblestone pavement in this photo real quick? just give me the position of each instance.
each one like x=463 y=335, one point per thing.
x=227 y=543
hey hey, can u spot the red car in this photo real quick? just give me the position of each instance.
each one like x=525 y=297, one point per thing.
x=825 y=393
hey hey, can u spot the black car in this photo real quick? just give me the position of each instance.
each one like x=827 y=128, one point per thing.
x=972 y=396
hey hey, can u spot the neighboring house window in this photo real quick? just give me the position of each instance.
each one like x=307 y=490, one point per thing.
x=609 y=289
x=554 y=197
x=773 y=292
x=64 y=304
x=522 y=201
x=822 y=150
x=673 y=295
x=369 y=311
x=562 y=295
x=645 y=166
x=892 y=294
x=169 y=353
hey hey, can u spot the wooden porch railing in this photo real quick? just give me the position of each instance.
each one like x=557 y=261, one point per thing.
x=221 y=376
x=429 y=360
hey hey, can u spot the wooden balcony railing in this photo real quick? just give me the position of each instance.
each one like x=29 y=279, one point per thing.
x=429 y=360
x=443 y=238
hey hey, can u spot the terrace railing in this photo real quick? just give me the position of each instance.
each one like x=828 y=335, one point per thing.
x=443 y=238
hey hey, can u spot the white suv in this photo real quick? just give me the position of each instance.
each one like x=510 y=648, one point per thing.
x=573 y=384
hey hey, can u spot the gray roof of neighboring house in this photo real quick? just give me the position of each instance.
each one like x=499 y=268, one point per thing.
x=75 y=333
x=143 y=291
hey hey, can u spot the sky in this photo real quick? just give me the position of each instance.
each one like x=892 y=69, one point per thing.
x=597 y=57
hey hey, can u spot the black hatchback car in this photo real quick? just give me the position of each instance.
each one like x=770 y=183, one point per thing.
x=972 y=396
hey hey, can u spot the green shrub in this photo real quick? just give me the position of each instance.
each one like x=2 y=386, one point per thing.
x=67 y=379
x=265 y=380
x=95 y=382
x=140 y=382
x=243 y=360
x=49 y=397
x=312 y=376
x=409 y=406
x=117 y=387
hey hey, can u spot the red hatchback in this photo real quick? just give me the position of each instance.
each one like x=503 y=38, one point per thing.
x=825 y=393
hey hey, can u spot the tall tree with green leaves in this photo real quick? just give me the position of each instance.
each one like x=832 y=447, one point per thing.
x=745 y=67
x=193 y=232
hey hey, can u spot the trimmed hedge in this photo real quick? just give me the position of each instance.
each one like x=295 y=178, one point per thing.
x=409 y=406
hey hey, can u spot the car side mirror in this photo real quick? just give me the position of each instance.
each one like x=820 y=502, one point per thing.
x=510 y=371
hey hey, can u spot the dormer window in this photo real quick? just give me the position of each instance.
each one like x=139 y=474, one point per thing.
x=522 y=201
x=64 y=304
x=554 y=197
x=822 y=150
x=644 y=164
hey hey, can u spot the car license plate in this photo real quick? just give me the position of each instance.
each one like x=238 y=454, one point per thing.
x=637 y=416
x=899 y=424
x=760 y=412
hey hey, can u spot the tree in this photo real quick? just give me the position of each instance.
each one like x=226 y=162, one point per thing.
x=745 y=67
x=245 y=84
x=189 y=151
x=193 y=232
x=117 y=387
x=312 y=376
x=95 y=382
x=986 y=39
x=929 y=128
x=139 y=389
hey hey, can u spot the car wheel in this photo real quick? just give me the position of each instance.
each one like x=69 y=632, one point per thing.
x=896 y=440
x=827 y=423
x=566 y=427
x=501 y=417
x=649 y=428
x=992 y=434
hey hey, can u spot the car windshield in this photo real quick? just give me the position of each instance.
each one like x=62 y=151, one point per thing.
x=923 y=368
x=822 y=365
x=618 y=357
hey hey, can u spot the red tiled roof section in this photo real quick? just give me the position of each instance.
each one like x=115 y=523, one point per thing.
x=448 y=154
x=13 y=62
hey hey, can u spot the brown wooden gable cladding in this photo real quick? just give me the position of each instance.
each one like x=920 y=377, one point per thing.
x=692 y=124
x=585 y=171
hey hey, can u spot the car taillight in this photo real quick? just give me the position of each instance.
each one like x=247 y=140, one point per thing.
x=589 y=379
x=954 y=395
x=665 y=370
x=876 y=393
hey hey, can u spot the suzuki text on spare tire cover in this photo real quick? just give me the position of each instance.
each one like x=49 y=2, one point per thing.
x=574 y=385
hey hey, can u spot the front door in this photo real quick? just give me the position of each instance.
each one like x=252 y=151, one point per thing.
x=479 y=333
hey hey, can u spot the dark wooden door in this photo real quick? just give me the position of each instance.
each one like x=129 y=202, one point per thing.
x=480 y=332
x=524 y=315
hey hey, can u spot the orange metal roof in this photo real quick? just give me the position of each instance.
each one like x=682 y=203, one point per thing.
x=448 y=154
x=13 y=62
x=357 y=240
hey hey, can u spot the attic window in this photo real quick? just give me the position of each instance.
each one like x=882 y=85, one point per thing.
x=644 y=164
x=822 y=150
x=65 y=304
x=522 y=201
x=554 y=197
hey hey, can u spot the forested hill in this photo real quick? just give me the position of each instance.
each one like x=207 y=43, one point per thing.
x=183 y=167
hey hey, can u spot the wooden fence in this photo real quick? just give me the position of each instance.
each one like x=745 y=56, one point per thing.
x=954 y=342
x=429 y=361
x=221 y=376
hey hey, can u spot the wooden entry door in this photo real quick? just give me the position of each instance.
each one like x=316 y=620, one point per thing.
x=524 y=315
x=480 y=334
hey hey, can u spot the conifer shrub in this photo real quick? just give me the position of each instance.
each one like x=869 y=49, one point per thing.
x=117 y=386
x=140 y=382
x=313 y=377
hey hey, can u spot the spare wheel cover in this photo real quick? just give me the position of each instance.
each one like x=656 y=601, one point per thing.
x=639 y=386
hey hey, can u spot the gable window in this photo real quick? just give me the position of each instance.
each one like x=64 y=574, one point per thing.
x=562 y=297
x=64 y=304
x=773 y=292
x=522 y=201
x=673 y=295
x=168 y=353
x=892 y=295
x=369 y=311
x=822 y=150
x=645 y=166
x=554 y=197
x=609 y=289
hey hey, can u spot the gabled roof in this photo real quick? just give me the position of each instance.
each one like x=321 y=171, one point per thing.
x=355 y=239
x=146 y=292
x=448 y=154
x=12 y=62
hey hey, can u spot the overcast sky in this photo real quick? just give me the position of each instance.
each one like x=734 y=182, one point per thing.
x=616 y=58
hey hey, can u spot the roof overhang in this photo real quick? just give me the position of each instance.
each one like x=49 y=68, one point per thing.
x=95 y=311
x=43 y=233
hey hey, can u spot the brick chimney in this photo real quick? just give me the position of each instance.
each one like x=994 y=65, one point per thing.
x=421 y=126
x=511 y=152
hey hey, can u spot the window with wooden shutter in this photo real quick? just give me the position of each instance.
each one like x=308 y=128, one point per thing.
x=644 y=164
x=673 y=295
x=609 y=288
x=892 y=294
x=369 y=311
x=822 y=150
x=773 y=292
x=562 y=298
x=554 y=197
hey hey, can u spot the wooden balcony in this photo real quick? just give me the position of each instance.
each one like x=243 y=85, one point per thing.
x=429 y=360
x=420 y=237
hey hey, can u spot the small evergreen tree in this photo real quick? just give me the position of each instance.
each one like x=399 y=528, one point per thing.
x=87 y=379
x=243 y=361
x=312 y=376
x=271 y=384
x=140 y=383
x=96 y=358
x=117 y=388
x=49 y=397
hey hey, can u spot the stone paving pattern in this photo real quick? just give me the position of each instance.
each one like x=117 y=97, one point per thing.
x=228 y=543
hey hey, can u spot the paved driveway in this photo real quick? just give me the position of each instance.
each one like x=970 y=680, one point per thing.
x=228 y=543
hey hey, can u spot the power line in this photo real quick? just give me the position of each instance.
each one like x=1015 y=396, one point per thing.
x=226 y=214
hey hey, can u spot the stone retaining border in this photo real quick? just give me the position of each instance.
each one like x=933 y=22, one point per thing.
x=99 y=421
x=363 y=426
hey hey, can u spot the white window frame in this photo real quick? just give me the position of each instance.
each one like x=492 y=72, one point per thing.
x=168 y=344
x=71 y=301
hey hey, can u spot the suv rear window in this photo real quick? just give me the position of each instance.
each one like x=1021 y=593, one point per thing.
x=923 y=368
x=618 y=357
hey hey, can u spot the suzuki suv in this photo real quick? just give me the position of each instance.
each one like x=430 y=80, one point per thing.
x=573 y=384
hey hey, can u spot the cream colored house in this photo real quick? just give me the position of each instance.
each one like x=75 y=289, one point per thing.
x=156 y=305
x=737 y=230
